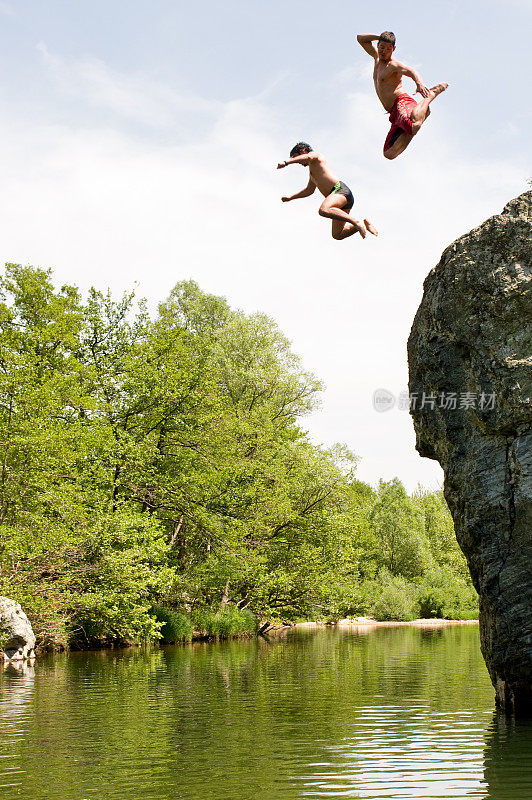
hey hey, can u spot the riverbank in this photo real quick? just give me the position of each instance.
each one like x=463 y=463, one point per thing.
x=368 y=622
x=355 y=622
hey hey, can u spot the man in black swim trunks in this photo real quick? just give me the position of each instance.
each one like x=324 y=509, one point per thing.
x=338 y=197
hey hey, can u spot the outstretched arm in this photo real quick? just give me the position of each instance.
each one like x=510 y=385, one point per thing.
x=304 y=159
x=309 y=189
x=366 y=40
x=416 y=77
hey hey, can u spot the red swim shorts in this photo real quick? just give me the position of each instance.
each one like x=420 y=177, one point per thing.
x=400 y=118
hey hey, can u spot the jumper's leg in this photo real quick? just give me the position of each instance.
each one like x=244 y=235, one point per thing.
x=399 y=146
x=331 y=208
x=421 y=111
x=342 y=230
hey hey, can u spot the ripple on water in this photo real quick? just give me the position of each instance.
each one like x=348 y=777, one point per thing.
x=390 y=714
x=404 y=752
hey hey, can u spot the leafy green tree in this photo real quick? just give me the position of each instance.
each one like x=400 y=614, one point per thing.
x=439 y=528
x=154 y=472
x=399 y=525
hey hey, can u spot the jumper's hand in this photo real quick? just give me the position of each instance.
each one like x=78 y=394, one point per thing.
x=286 y=199
x=423 y=91
x=281 y=164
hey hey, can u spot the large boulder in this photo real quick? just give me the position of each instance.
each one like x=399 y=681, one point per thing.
x=470 y=360
x=17 y=639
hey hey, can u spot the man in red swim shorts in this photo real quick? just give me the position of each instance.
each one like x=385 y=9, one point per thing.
x=406 y=115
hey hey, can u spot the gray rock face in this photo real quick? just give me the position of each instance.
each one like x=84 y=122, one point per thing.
x=18 y=639
x=473 y=334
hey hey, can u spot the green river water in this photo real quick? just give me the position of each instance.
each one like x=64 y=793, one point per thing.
x=387 y=713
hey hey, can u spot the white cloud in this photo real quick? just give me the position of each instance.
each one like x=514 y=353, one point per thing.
x=361 y=72
x=101 y=207
x=135 y=97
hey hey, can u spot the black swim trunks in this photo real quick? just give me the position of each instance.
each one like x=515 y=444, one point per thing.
x=341 y=188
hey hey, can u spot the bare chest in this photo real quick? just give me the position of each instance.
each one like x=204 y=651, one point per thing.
x=385 y=74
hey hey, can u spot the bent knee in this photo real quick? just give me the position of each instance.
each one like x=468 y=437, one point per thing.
x=390 y=154
x=337 y=235
x=323 y=211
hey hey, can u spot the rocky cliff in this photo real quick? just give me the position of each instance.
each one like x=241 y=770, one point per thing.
x=470 y=361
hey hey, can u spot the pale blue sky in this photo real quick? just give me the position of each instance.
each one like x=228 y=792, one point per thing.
x=235 y=49
x=138 y=143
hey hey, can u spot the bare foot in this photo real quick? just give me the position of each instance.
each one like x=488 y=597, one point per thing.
x=438 y=89
x=360 y=228
x=371 y=228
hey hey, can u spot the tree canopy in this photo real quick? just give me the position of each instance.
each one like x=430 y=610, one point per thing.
x=156 y=464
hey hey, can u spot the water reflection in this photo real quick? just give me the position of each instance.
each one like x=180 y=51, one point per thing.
x=406 y=751
x=21 y=668
x=392 y=713
x=15 y=705
x=508 y=759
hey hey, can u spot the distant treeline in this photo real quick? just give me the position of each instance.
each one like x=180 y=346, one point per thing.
x=155 y=477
